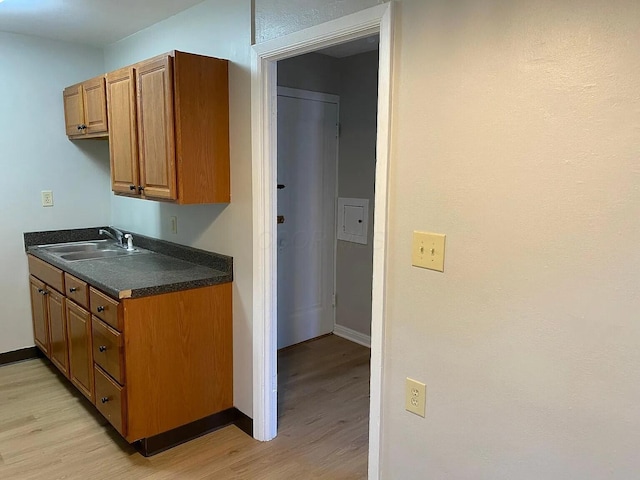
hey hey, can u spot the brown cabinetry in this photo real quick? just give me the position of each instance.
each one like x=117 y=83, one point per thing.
x=85 y=109
x=169 y=129
x=148 y=364
x=80 y=349
x=58 y=331
x=39 y=314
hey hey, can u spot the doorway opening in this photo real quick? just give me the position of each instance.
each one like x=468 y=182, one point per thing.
x=375 y=20
x=326 y=142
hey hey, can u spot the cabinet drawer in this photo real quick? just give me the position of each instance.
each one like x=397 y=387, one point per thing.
x=111 y=401
x=77 y=290
x=108 y=349
x=52 y=276
x=105 y=308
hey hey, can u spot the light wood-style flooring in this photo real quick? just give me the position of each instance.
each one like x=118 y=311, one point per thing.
x=49 y=431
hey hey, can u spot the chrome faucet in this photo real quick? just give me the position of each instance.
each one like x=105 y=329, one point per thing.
x=117 y=237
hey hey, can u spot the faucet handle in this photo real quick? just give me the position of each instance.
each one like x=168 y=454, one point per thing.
x=129 y=239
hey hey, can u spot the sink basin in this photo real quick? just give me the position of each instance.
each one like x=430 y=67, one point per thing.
x=92 y=250
x=90 y=255
x=79 y=247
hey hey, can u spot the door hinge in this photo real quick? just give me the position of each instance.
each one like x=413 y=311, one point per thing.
x=338 y=129
x=333 y=300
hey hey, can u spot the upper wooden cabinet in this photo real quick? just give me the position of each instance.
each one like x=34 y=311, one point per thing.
x=169 y=129
x=85 y=109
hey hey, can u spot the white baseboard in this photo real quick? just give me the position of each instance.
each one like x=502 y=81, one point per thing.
x=352 y=335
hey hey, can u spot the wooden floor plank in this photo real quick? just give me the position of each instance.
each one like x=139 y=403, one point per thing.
x=49 y=431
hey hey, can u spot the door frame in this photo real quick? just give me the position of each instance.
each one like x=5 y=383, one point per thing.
x=378 y=19
x=303 y=94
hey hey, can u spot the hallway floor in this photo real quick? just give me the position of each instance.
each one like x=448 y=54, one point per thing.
x=49 y=431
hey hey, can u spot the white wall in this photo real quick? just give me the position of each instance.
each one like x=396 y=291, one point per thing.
x=219 y=28
x=35 y=155
x=275 y=18
x=515 y=131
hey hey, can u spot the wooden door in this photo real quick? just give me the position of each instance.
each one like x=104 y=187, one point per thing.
x=156 y=132
x=58 y=332
x=95 y=106
x=80 y=349
x=123 y=137
x=73 y=110
x=39 y=314
x=307 y=165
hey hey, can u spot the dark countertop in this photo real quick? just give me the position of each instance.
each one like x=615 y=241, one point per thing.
x=168 y=267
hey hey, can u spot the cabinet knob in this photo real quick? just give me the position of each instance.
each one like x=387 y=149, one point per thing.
x=84 y=127
x=140 y=188
x=104 y=399
x=100 y=308
x=132 y=187
x=102 y=348
x=73 y=289
x=42 y=292
x=79 y=127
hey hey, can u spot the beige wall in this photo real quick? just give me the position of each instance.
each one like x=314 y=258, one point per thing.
x=36 y=155
x=220 y=28
x=516 y=127
x=515 y=131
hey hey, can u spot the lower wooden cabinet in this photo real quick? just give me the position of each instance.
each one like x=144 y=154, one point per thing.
x=111 y=401
x=59 y=353
x=149 y=364
x=39 y=314
x=80 y=349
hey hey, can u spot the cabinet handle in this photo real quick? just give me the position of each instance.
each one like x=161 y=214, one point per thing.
x=42 y=292
x=140 y=188
x=84 y=127
x=100 y=308
x=73 y=289
x=79 y=127
x=132 y=187
x=104 y=399
x=102 y=348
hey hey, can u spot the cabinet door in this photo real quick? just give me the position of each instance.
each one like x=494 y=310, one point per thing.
x=156 y=128
x=73 y=110
x=123 y=138
x=39 y=314
x=95 y=105
x=80 y=349
x=58 y=332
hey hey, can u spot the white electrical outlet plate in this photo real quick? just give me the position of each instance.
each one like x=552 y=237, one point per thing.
x=47 y=198
x=415 y=397
x=173 y=220
x=427 y=250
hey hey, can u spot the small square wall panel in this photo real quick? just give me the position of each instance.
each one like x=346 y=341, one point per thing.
x=353 y=219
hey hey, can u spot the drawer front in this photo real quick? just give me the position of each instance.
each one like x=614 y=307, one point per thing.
x=105 y=308
x=76 y=290
x=108 y=349
x=111 y=401
x=52 y=276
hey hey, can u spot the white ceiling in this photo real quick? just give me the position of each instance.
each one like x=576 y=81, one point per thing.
x=93 y=22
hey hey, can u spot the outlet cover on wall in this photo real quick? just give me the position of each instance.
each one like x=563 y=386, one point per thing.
x=415 y=397
x=47 y=198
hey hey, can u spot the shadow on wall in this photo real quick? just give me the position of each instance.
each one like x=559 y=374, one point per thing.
x=97 y=151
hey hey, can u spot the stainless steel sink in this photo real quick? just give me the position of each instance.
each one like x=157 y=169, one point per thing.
x=79 y=247
x=74 y=251
x=70 y=257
